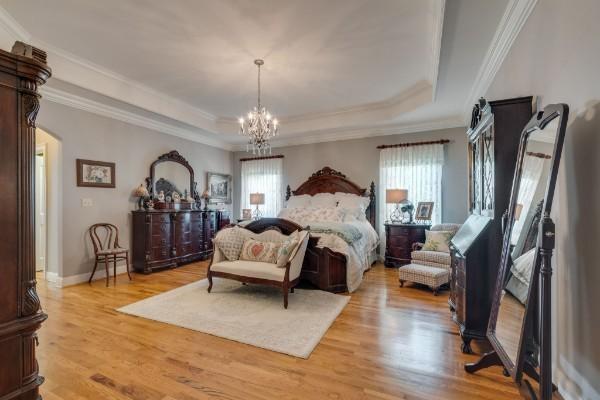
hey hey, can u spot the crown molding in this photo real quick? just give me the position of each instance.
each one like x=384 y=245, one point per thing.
x=438 y=29
x=515 y=16
x=81 y=103
x=332 y=135
x=12 y=27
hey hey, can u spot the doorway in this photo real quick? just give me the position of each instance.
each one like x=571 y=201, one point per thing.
x=41 y=205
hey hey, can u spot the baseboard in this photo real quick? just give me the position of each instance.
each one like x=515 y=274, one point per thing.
x=571 y=384
x=77 y=279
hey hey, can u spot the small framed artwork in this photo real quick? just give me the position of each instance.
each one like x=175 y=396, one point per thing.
x=219 y=187
x=246 y=213
x=95 y=173
x=424 y=210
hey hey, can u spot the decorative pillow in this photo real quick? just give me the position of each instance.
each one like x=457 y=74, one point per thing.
x=231 y=240
x=255 y=250
x=437 y=241
x=353 y=214
x=301 y=236
x=352 y=201
x=286 y=248
x=301 y=201
x=323 y=200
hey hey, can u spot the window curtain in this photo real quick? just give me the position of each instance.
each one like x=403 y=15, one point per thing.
x=416 y=168
x=263 y=176
x=530 y=179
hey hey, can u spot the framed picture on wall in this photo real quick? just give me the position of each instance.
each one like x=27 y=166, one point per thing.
x=219 y=187
x=424 y=210
x=95 y=173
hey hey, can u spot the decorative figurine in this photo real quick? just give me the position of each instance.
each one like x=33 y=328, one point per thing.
x=161 y=196
x=176 y=198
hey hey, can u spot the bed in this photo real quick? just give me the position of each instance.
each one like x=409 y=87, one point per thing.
x=338 y=252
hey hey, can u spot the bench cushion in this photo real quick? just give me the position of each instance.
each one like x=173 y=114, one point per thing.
x=431 y=256
x=424 y=274
x=250 y=269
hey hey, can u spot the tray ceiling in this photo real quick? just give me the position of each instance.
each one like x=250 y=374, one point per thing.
x=329 y=66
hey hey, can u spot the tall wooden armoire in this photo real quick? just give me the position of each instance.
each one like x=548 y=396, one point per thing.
x=21 y=73
x=476 y=248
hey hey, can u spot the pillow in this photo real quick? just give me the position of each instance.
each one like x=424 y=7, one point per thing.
x=301 y=236
x=301 y=201
x=323 y=200
x=437 y=241
x=353 y=214
x=303 y=215
x=231 y=240
x=286 y=248
x=255 y=250
x=353 y=201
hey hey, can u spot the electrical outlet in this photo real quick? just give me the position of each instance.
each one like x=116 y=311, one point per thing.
x=86 y=202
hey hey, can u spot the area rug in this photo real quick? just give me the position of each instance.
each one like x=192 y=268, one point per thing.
x=251 y=314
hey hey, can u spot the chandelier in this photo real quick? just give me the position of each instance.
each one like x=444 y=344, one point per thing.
x=260 y=125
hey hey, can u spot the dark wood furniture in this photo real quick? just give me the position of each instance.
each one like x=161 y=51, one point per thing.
x=531 y=329
x=399 y=240
x=167 y=238
x=105 y=239
x=21 y=73
x=289 y=283
x=493 y=147
x=324 y=268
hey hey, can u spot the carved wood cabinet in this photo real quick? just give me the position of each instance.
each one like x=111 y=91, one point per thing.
x=21 y=72
x=167 y=238
x=475 y=249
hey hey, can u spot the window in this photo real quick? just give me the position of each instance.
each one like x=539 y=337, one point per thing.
x=416 y=168
x=263 y=176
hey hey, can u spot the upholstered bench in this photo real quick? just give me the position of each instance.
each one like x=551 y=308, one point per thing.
x=433 y=277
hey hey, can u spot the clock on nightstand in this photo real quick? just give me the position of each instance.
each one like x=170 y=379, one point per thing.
x=399 y=239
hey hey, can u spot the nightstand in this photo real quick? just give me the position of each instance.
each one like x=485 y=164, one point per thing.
x=399 y=239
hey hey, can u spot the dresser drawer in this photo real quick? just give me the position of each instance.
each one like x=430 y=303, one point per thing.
x=398 y=231
x=398 y=241
x=397 y=252
x=160 y=219
x=160 y=241
x=160 y=253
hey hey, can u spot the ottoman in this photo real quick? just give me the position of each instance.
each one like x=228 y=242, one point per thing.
x=433 y=277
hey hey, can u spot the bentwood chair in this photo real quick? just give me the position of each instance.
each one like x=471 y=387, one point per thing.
x=105 y=238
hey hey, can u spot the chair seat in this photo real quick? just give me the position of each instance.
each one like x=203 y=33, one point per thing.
x=250 y=269
x=432 y=256
x=424 y=274
x=117 y=250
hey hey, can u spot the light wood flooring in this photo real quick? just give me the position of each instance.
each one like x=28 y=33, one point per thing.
x=388 y=343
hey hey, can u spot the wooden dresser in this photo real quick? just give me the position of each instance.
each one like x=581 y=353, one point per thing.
x=167 y=238
x=475 y=249
x=399 y=239
x=21 y=73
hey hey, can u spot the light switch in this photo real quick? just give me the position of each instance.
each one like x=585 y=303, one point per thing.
x=86 y=202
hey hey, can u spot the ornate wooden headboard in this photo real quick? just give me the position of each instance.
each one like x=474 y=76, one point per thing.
x=328 y=180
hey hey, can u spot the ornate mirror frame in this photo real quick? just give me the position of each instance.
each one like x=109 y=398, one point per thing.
x=541 y=275
x=172 y=156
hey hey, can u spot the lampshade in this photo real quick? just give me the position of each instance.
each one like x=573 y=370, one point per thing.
x=394 y=196
x=141 y=191
x=257 y=198
x=518 y=210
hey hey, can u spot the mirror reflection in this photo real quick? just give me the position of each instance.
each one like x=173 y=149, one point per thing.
x=171 y=177
x=534 y=175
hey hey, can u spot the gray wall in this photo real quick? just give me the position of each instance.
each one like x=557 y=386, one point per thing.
x=359 y=160
x=89 y=136
x=557 y=57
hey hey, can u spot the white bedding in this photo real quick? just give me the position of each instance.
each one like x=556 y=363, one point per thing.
x=358 y=254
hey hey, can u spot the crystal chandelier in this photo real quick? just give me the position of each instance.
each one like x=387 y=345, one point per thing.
x=260 y=125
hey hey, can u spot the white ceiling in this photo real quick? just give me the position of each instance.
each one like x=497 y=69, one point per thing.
x=332 y=69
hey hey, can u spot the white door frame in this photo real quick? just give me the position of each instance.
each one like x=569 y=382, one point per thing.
x=44 y=150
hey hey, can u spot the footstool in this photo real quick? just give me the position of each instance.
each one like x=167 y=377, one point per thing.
x=424 y=274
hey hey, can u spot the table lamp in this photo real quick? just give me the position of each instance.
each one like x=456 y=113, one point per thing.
x=141 y=192
x=257 y=199
x=206 y=197
x=399 y=197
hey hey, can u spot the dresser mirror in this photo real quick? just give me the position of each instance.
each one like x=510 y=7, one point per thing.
x=171 y=173
x=519 y=326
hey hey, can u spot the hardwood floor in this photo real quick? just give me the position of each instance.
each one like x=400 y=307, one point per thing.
x=388 y=343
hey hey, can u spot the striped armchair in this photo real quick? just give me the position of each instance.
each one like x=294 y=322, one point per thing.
x=431 y=268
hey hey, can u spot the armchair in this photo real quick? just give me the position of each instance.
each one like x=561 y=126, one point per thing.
x=286 y=277
x=431 y=268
